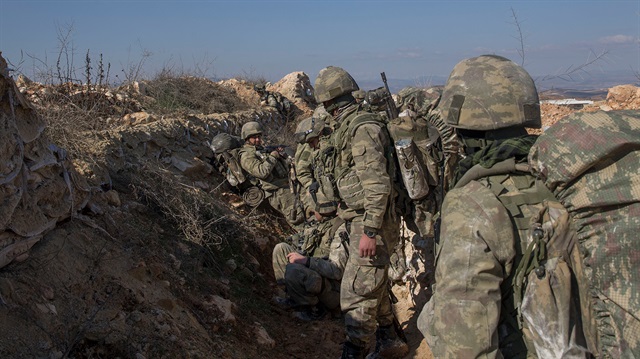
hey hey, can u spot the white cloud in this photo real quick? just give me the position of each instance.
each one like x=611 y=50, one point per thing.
x=618 y=39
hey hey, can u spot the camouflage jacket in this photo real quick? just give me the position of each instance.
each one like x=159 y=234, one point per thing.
x=475 y=254
x=361 y=168
x=304 y=173
x=269 y=170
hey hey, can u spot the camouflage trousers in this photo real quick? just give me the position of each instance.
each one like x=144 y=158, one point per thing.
x=314 y=239
x=364 y=291
x=305 y=286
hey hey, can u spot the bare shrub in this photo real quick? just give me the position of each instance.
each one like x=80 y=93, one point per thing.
x=252 y=77
x=192 y=210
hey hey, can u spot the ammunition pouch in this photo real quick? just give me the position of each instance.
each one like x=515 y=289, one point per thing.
x=351 y=191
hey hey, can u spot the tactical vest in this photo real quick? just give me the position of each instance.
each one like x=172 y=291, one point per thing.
x=346 y=181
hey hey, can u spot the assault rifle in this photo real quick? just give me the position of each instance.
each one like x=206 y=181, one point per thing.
x=392 y=110
x=281 y=149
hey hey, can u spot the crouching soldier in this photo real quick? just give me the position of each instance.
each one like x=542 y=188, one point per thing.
x=271 y=169
x=310 y=266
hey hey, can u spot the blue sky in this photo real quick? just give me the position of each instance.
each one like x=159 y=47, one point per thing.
x=406 y=39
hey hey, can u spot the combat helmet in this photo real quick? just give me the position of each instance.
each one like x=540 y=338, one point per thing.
x=358 y=95
x=490 y=92
x=309 y=128
x=249 y=129
x=333 y=82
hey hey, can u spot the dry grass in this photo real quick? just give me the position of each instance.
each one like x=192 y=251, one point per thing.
x=183 y=95
x=193 y=211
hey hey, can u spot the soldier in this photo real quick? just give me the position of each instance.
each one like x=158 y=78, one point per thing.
x=362 y=181
x=275 y=100
x=490 y=101
x=271 y=169
x=312 y=272
x=359 y=96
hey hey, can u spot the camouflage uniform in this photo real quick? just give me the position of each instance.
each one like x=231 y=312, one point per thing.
x=275 y=100
x=319 y=282
x=320 y=240
x=365 y=188
x=274 y=180
x=304 y=174
x=474 y=258
x=364 y=292
x=472 y=311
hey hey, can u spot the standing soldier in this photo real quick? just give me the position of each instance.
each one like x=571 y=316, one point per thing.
x=490 y=101
x=362 y=178
x=271 y=169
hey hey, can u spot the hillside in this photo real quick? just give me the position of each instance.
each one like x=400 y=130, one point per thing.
x=119 y=239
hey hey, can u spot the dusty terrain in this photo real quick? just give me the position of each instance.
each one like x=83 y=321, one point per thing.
x=130 y=245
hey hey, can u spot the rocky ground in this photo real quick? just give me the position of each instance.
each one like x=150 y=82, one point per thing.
x=118 y=239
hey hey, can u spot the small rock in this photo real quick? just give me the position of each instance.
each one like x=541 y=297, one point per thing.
x=262 y=337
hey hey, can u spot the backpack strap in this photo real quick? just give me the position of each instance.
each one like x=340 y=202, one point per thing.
x=364 y=118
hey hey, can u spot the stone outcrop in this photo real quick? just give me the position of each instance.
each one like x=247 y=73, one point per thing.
x=296 y=86
x=624 y=97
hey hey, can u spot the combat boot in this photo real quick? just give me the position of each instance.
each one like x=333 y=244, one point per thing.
x=388 y=344
x=308 y=313
x=352 y=351
x=284 y=303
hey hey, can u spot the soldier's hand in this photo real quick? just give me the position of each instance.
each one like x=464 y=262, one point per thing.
x=295 y=257
x=367 y=246
x=275 y=153
x=318 y=216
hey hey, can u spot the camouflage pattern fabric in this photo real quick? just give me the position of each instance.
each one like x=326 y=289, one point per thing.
x=266 y=168
x=326 y=196
x=361 y=162
x=495 y=152
x=320 y=282
x=317 y=237
x=591 y=161
x=283 y=201
x=304 y=173
x=273 y=179
x=277 y=101
x=473 y=258
x=364 y=291
x=363 y=142
x=279 y=260
x=421 y=100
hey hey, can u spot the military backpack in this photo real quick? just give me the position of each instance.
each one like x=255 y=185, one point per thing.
x=577 y=214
